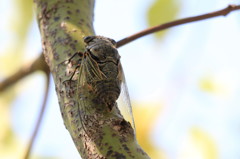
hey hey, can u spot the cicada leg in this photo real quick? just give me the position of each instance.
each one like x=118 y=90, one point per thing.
x=70 y=79
x=80 y=54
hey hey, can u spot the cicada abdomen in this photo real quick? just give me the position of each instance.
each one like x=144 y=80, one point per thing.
x=107 y=91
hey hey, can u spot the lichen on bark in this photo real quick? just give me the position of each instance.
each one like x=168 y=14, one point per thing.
x=99 y=133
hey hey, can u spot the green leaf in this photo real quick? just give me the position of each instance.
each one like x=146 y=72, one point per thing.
x=162 y=11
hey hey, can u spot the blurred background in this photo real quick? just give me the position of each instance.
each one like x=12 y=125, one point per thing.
x=184 y=83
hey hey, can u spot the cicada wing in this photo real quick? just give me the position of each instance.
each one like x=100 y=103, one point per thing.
x=81 y=93
x=124 y=102
x=88 y=71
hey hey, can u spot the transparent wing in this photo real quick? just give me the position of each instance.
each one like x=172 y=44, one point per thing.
x=124 y=102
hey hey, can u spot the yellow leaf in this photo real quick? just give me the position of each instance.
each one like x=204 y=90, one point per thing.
x=161 y=12
x=9 y=145
x=145 y=115
x=22 y=18
x=218 y=85
x=198 y=145
x=208 y=85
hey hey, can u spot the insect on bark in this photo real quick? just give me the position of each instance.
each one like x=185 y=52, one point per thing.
x=100 y=69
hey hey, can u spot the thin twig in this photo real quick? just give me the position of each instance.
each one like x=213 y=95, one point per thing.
x=38 y=64
x=222 y=12
x=40 y=117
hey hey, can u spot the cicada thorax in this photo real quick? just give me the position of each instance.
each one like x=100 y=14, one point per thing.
x=103 y=52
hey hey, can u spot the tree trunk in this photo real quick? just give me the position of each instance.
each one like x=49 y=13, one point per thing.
x=96 y=132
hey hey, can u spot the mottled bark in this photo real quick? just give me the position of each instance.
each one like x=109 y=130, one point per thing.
x=98 y=132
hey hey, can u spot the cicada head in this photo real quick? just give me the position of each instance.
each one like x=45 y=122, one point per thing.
x=102 y=49
x=90 y=40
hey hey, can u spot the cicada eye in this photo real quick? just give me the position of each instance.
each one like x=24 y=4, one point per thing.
x=113 y=42
x=87 y=39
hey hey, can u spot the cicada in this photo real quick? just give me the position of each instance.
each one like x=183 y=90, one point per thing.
x=99 y=68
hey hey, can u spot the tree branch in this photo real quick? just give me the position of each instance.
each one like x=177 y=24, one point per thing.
x=38 y=64
x=97 y=132
x=222 y=12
